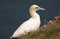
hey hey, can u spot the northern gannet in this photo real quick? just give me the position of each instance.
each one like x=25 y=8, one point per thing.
x=30 y=25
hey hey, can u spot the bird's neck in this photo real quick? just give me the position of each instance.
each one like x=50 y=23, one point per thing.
x=34 y=14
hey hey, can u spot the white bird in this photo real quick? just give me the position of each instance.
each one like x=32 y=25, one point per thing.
x=30 y=25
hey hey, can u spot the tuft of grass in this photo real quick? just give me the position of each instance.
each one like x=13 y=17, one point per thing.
x=30 y=35
x=51 y=31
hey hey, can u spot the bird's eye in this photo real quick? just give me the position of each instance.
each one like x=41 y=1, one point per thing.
x=36 y=8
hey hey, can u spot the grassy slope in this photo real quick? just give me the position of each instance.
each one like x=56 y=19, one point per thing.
x=52 y=31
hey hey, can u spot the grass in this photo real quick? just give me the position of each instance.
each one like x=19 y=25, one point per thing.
x=44 y=33
x=51 y=31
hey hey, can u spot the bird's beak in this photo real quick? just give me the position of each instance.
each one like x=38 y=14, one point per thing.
x=41 y=8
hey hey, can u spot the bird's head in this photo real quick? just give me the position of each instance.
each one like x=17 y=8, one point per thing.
x=35 y=8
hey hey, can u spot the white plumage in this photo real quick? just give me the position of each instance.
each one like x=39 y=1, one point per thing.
x=30 y=25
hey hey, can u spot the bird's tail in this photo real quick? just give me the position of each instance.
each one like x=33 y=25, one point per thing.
x=13 y=37
x=10 y=37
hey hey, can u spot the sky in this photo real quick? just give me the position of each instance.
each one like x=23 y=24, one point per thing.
x=15 y=12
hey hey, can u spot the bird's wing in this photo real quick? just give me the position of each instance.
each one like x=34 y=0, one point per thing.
x=27 y=26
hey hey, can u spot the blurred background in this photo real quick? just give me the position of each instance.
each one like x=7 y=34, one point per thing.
x=15 y=12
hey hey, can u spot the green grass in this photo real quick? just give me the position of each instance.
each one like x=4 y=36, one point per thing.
x=51 y=31
x=37 y=33
x=42 y=33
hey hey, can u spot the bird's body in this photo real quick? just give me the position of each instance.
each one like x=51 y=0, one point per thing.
x=30 y=25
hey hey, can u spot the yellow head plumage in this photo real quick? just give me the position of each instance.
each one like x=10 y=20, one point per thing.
x=34 y=8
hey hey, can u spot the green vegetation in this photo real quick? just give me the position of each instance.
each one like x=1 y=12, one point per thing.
x=42 y=33
x=46 y=33
x=51 y=31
